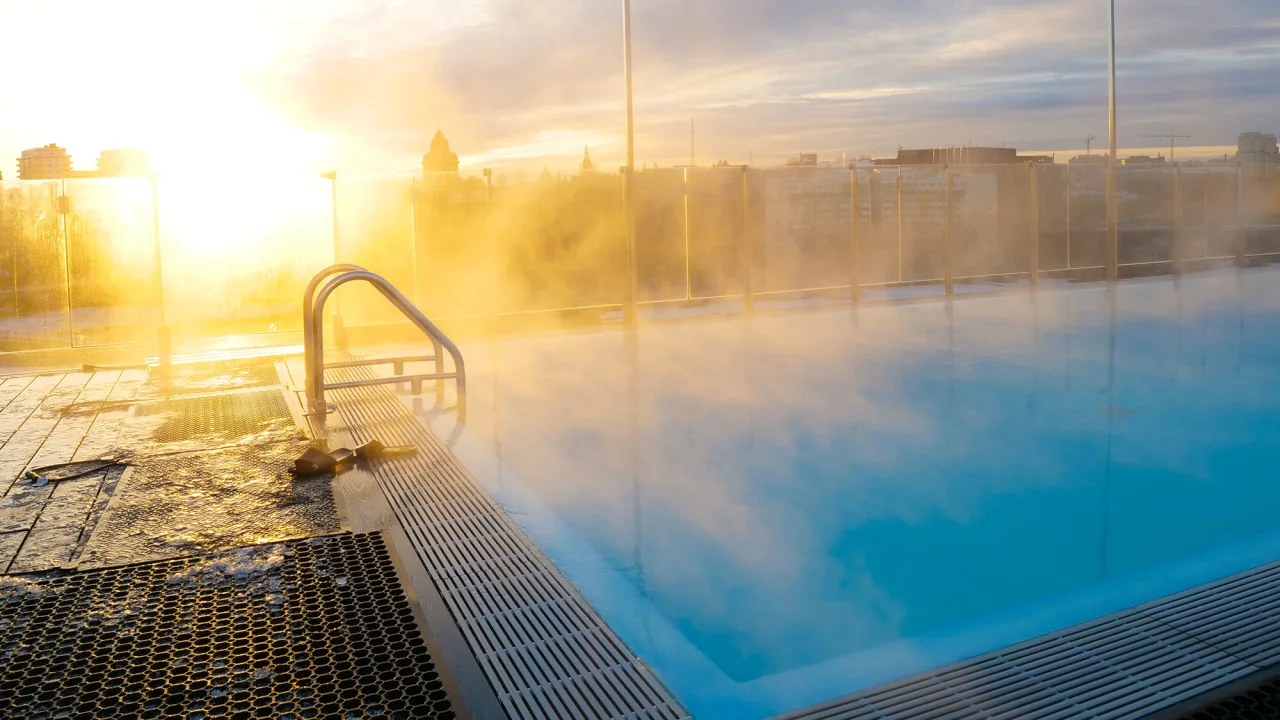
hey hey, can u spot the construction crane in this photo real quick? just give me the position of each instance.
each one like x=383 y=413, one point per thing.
x=1088 y=144
x=1172 y=139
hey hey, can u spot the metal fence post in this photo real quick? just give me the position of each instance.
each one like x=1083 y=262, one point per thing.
x=339 y=332
x=1207 y=178
x=949 y=237
x=630 y=308
x=413 y=238
x=1068 y=216
x=875 y=197
x=1035 y=226
x=1241 y=236
x=688 y=249
x=901 y=272
x=1179 y=220
x=748 y=295
x=64 y=209
x=163 y=340
x=855 y=228
x=1113 y=221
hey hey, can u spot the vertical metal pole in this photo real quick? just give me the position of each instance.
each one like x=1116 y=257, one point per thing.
x=748 y=294
x=1179 y=220
x=339 y=332
x=1207 y=178
x=64 y=209
x=949 y=236
x=1241 y=236
x=413 y=236
x=163 y=346
x=1068 y=216
x=438 y=351
x=901 y=273
x=1034 y=250
x=629 y=310
x=1113 y=200
x=14 y=250
x=688 y=256
x=855 y=240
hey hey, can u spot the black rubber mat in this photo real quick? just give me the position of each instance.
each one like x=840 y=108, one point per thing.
x=316 y=628
x=1261 y=702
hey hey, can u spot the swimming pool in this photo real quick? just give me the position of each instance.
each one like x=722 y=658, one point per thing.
x=776 y=510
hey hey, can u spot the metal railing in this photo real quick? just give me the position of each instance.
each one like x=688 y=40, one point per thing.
x=313 y=344
x=73 y=281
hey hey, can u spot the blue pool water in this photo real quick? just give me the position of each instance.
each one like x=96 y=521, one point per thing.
x=779 y=510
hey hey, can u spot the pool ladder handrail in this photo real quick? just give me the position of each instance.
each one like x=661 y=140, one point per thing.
x=313 y=343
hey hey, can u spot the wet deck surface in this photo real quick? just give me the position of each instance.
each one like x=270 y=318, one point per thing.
x=189 y=573
x=203 y=466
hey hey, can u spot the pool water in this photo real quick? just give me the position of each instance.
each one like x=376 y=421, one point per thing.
x=777 y=510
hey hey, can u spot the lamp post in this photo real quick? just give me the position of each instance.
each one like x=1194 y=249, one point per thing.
x=339 y=333
x=163 y=342
x=629 y=309
x=1113 y=200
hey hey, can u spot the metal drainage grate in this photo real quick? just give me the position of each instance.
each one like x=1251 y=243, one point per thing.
x=211 y=421
x=1133 y=664
x=315 y=628
x=543 y=649
x=213 y=500
x=187 y=380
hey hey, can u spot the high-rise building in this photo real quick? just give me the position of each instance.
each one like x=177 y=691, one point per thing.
x=963 y=155
x=1257 y=153
x=44 y=163
x=587 y=165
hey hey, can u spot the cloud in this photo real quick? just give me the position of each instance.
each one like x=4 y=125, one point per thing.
x=771 y=76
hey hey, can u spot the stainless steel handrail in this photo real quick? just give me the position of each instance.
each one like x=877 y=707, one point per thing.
x=308 y=308
x=313 y=344
x=308 y=299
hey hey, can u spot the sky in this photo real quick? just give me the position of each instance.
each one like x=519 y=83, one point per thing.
x=282 y=85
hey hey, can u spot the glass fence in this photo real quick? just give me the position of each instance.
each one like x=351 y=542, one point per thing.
x=78 y=258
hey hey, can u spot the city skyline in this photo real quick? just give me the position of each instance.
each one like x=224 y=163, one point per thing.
x=521 y=87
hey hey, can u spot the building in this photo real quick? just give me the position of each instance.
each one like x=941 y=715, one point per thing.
x=1090 y=159
x=45 y=163
x=587 y=165
x=1142 y=160
x=1257 y=153
x=439 y=159
x=804 y=160
x=966 y=155
x=122 y=162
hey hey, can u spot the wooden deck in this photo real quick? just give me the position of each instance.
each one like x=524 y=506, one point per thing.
x=45 y=420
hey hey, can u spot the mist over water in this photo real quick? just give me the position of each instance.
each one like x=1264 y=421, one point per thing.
x=791 y=488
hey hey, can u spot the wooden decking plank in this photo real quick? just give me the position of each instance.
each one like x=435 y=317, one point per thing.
x=27 y=439
x=11 y=387
x=66 y=436
x=103 y=437
x=28 y=399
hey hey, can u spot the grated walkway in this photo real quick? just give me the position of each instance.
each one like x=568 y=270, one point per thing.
x=543 y=649
x=310 y=628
